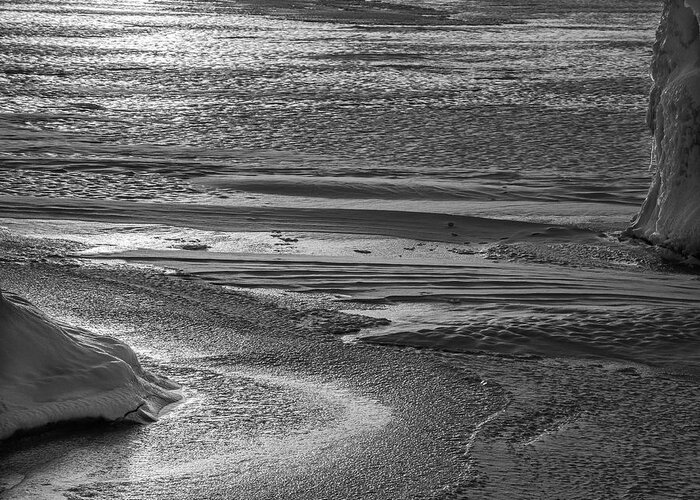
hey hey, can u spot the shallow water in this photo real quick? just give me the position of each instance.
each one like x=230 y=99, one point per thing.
x=122 y=100
x=273 y=407
x=573 y=368
x=276 y=407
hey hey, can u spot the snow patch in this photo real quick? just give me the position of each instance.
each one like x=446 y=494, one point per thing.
x=52 y=372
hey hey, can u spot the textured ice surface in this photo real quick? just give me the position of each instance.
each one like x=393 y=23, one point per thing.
x=670 y=215
x=272 y=408
x=51 y=372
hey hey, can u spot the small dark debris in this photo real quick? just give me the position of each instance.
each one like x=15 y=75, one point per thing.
x=194 y=246
x=463 y=251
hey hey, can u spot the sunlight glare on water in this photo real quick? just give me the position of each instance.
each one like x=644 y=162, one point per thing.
x=182 y=89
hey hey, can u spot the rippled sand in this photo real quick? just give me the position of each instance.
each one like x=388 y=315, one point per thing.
x=438 y=190
x=277 y=405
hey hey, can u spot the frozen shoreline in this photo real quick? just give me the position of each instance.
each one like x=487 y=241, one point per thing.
x=52 y=372
x=393 y=223
x=496 y=286
x=532 y=356
x=478 y=424
x=539 y=280
x=559 y=343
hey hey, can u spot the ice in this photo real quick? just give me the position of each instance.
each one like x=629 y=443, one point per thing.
x=670 y=216
x=52 y=372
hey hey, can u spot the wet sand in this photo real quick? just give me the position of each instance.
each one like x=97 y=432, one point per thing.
x=281 y=403
x=280 y=408
x=414 y=225
x=435 y=352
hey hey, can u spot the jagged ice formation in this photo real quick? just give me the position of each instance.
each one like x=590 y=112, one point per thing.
x=670 y=216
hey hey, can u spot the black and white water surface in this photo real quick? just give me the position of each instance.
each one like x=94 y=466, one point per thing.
x=233 y=144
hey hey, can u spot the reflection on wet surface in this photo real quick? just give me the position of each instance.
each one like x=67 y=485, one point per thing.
x=266 y=413
x=138 y=100
x=278 y=408
x=232 y=422
x=208 y=87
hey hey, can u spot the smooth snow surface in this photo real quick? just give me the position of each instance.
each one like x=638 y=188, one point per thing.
x=670 y=216
x=52 y=372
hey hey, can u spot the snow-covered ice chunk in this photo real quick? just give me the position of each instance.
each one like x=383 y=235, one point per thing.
x=52 y=372
x=670 y=216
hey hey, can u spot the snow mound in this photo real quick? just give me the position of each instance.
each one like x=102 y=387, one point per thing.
x=670 y=216
x=52 y=372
